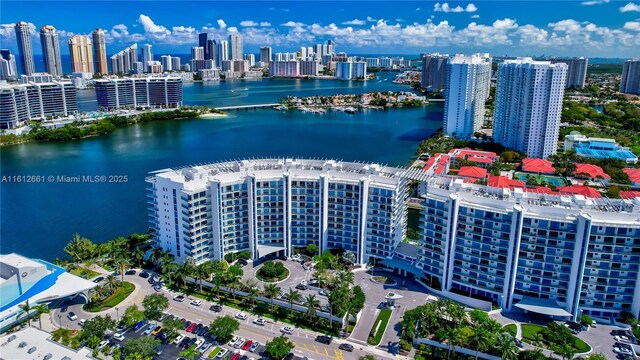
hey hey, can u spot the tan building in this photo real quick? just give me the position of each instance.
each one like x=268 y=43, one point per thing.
x=81 y=54
x=100 y=51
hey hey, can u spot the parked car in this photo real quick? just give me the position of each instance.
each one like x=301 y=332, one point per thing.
x=64 y=308
x=191 y=327
x=102 y=344
x=246 y=345
x=197 y=329
x=287 y=330
x=98 y=279
x=238 y=343
x=178 y=339
x=223 y=352
x=301 y=287
x=139 y=324
x=346 y=347
x=144 y=274
x=241 y=316
x=324 y=339
x=130 y=272
x=149 y=329
x=204 y=347
x=157 y=330
x=184 y=342
x=118 y=336
x=242 y=262
x=157 y=287
x=233 y=341
x=204 y=330
x=179 y=298
x=198 y=343
x=72 y=316
x=81 y=322
x=260 y=321
x=254 y=346
x=215 y=308
x=196 y=302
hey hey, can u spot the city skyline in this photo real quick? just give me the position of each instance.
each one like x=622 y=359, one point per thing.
x=588 y=28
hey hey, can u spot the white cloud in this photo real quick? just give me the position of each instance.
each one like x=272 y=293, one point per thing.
x=632 y=25
x=222 y=24
x=595 y=2
x=120 y=33
x=152 y=30
x=233 y=30
x=265 y=23
x=476 y=16
x=370 y=19
x=293 y=24
x=630 y=7
x=248 y=23
x=354 y=22
x=444 y=7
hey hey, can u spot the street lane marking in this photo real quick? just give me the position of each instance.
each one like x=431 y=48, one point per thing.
x=338 y=354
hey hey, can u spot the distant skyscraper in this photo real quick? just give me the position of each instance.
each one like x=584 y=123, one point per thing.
x=8 y=68
x=318 y=51
x=528 y=105
x=51 y=50
x=23 y=37
x=81 y=54
x=236 y=46
x=123 y=62
x=251 y=59
x=212 y=51
x=265 y=54
x=466 y=93
x=630 y=83
x=331 y=48
x=165 y=60
x=577 y=71
x=223 y=52
x=99 y=52
x=197 y=53
x=202 y=42
x=303 y=53
x=147 y=55
x=434 y=71
x=351 y=70
x=175 y=63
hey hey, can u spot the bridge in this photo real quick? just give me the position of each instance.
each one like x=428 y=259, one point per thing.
x=247 y=107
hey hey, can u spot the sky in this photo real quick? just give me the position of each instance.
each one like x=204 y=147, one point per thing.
x=592 y=28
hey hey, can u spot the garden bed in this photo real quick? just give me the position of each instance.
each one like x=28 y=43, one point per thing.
x=379 y=326
x=272 y=271
x=530 y=335
x=384 y=280
x=122 y=292
x=83 y=272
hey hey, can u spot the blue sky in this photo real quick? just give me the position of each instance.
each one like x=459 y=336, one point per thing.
x=594 y=28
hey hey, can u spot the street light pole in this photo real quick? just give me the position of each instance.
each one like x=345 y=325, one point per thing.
x=117 y=315
x=60 y=321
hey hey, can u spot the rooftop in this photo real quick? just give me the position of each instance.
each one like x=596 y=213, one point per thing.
x=593 y=171
x=472 y=172
x=534 y=165
x=585 y=191
x=32 y=343
x=633 y=174
x=504 y=182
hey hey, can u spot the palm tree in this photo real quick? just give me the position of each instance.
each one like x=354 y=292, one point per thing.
x=112 y=282
x=138 y=256
x=566 y=351
x=344 y=277
x=41 y=309
x=233 y=286
x=26 y=308
x=320 y=276
x=156 y=254
x=408 y=330
x=311 y=302
x=272 y=291
x=293 y=296
x=506 y=346
x=185 y=270
x=200 y=272
x=480 y=338
x=252 y=294
x=169 y=269
x=538 y=339
x=453 y=338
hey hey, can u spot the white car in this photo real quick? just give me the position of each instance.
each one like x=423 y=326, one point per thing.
x=260 y=321
x=287 y=330
x=241 y=316
x=239 y=343
x=72 y=316
x=118 y=336
x=82 y=321
x=196 y=302
x=102 y=344
x=233 y=341
x=198 y=343
x=223 y=352
x=149 y=329
x=178 y=339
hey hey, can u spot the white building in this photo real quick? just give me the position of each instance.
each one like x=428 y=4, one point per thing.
x=209 y=74
x=284 y=68
x=122 y=62
x=467 y=87
x=272 y=206
x=351 y=70
x=576 y=71
x=240 y=66
x=236 y=47
x=175 y=63
x=630 y=83
x=528 y=105
x=251 y=58
x=136 y=92
x=147 y=55
x=35 y=281
x=223 y=52
x=166 y=62
x=80 y=80
x=19 y=345
x=8 y=67
x=310 y=67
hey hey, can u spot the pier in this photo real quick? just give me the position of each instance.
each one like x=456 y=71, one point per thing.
x=247 y=107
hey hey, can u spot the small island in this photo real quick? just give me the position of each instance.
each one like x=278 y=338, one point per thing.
x=350 y=103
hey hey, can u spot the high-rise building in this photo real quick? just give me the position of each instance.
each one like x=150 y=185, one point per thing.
x=265 y=54
x=236 y=47
x=528 y=105
x=8 y=67
x=290 y=68
x=434 y=71
x=577 y=70
x=202 y=42
x=212 y=51
x=23 y=36
x=303 y=53
x=331 y=48
x=51 y=50
x=147 y=55
x=351 y=70
x=251 y=58
x=36 y=101
x=223 y=52
x=197 y=58
x=100 y=51
x=630 y=83
x=318 y=51
x=163 y=91
x=175 y=64
x=166 y=62
x=80 y=50
x=310 y=67
x=123 y=62
x=466 y=92
x=240 y=66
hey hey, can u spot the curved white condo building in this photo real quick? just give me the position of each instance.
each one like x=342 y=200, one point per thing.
x=563 y=254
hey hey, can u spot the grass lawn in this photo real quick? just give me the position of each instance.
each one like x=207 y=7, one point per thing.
x=529 y=332
x=380 y=325
x=121 y=293
x=511 y=329
x=84 y=273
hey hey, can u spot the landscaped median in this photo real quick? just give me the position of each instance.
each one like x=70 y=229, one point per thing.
x=83 y=272
x=379 y=327
x=553 y=337
x=123 y=290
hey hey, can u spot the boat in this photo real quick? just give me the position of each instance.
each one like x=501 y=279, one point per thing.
x=350 y=110
x=281 y=107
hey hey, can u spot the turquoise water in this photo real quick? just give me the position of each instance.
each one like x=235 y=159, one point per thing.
x=38 y=219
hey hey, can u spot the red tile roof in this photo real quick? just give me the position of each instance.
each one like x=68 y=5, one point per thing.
x=634 y=174
x=541 y=190
x=479 y=159
x=580 y=190
x=472 y=172
x=504 y=182
x=534 y=165
x=629 y=194
x=593 y=171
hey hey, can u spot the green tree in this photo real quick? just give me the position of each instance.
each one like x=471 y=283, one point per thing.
x=171 y=326
x=224 y=327
x=143 y=347
x=367 y=357
x=27 y=309
x=279 y=347
x=112 y=282
x=586 y=320
x=169 y=268
x=93 y=329
x=154 y=305
x=202 y=272
x=80 y=248
x=566 y=351
x=272 y=291
x=41 y=309
x=252 y=294
x=506 y=346
x=312 y=249
x=535 y=354
x=189 y=353
x=311 y=302
x=293 y=296
x=132 y=315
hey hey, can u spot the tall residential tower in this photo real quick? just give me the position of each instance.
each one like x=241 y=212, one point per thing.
x=528 y=105
x=51 y=50
x=236 y=47
x=434 y=71
x=630 y=83
x=81 y=54
x=100 y=51
x=576 y=71
x=23 y=37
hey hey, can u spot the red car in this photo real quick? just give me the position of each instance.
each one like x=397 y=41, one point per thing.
x=246 y=345
x=191 y=327
x=235 y=357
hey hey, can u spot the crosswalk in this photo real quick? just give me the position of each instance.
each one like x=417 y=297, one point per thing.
x=321 y=350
